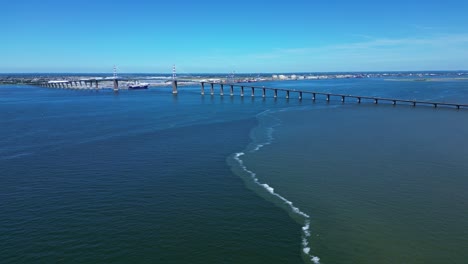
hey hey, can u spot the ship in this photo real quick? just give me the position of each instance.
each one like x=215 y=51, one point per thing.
x=138 y=85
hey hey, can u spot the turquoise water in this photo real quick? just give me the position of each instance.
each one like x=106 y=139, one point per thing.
x=147 y=177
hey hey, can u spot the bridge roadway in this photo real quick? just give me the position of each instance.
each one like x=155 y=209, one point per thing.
x=343 y=97
x=90 y=82
x=328 y=96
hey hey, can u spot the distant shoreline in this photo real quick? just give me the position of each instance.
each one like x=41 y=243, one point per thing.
x=164 y=79
x=443 y=79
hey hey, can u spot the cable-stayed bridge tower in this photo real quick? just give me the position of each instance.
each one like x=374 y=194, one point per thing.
x=174 y=80
x=116 y=82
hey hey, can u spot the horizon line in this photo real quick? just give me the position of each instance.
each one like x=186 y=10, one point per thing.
x=285 y=72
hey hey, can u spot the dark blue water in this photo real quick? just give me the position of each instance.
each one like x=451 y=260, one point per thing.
x=135 y=177
x=144 y=176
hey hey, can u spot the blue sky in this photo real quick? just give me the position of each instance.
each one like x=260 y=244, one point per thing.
x=225 y=36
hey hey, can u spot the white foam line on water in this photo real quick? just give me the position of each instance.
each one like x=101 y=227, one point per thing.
x=269 y=131
x=268 y=142
x=296 y=210
x=271 y=190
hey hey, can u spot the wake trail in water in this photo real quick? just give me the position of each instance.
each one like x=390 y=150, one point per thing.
x=306 y=227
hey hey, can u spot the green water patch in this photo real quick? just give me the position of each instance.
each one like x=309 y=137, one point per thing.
x=380 y=184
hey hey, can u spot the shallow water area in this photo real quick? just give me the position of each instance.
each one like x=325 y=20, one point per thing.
x=381 y=184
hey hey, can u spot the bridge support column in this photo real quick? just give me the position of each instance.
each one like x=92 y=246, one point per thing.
x=202 y=88
x=394 y=102
x=231 y=89
x=211 y=88
x=342 y=99
x=221 y=89
x=300 y=95
x=174 y=87
x=81 y=84
x=414 y=103
x=328 y=98
x=313 y=96
x=435 y=105
x=242 y=90
x=376 y=101
x=97 y=85
x=458 y=107
x=263 y=92
x=276 y=93
x=287 y=94
x=253 y=91
x=359 y=100
x=116 y=85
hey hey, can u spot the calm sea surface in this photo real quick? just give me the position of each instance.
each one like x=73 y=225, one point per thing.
x=147 y=177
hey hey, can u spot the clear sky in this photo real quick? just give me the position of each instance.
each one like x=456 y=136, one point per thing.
x=225 y=36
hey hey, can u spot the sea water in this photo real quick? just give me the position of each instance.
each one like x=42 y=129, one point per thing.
x=369 y=183
x=145 y=176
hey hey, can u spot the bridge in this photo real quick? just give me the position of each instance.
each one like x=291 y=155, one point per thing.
x=88 y=83
x=313 y=95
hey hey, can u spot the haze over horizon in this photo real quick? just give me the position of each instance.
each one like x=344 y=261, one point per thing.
x=245 y=36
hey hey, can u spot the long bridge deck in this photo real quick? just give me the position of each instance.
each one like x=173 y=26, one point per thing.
x=327 y=95
x=263 y=89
